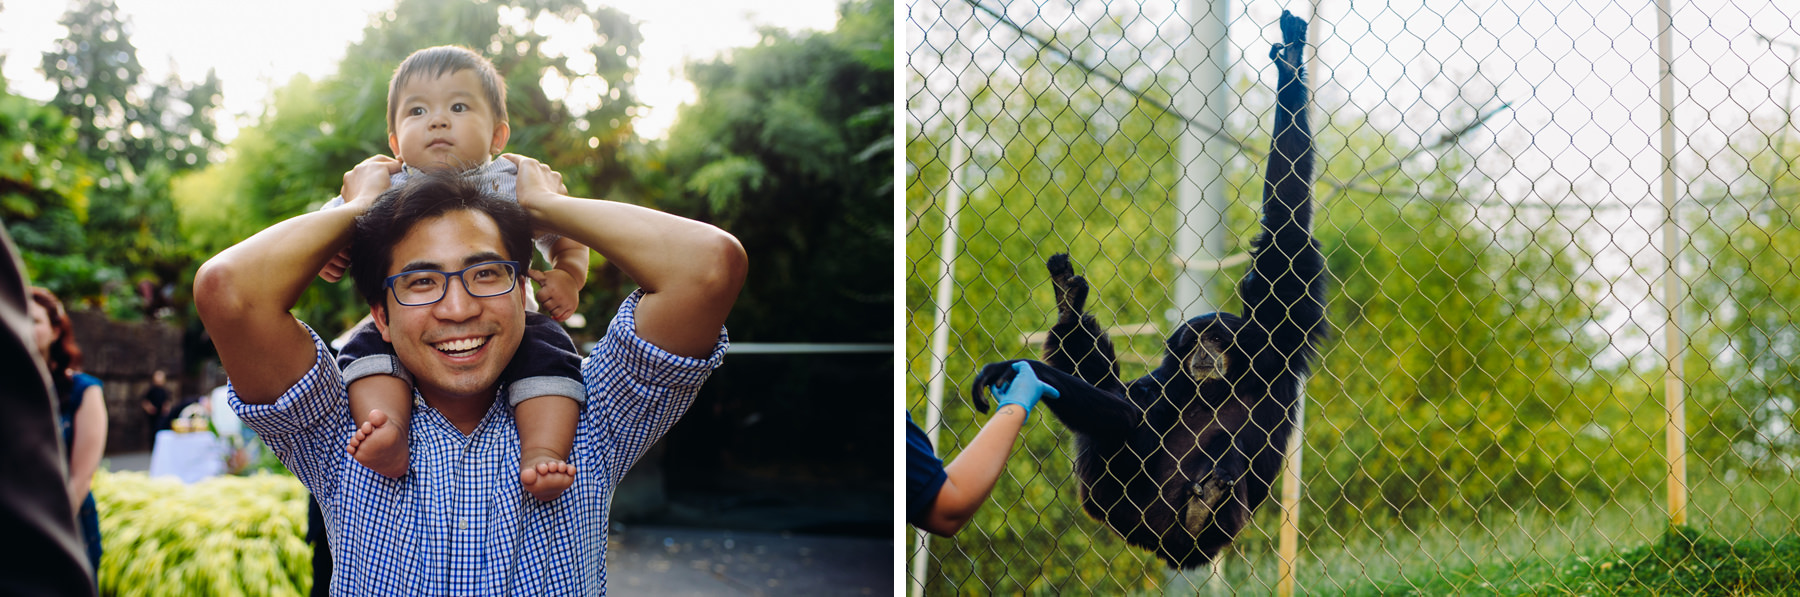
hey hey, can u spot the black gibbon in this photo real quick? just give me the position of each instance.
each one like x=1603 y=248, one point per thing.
x=1176 y=461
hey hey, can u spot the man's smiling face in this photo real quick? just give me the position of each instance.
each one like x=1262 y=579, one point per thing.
x=454 y=348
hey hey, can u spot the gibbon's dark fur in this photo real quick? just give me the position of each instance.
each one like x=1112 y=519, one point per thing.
x=1177 y=460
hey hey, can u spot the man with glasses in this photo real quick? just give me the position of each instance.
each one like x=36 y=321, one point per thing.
x=436 y=260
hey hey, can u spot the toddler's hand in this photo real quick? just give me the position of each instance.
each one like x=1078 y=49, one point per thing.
x=334 y=271
x=558 y=294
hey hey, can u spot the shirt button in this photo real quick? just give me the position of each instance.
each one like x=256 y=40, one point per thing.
x=462 y=524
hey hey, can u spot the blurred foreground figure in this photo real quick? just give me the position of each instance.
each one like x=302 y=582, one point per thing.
x=81 y=410
x=36 y=520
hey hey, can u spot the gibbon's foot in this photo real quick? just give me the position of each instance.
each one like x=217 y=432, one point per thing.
x=545 y=477
x=1204 y=497
x=380 y=444
x=1071 y=290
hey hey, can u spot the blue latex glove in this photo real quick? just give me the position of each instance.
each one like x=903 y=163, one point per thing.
x=1025 y=389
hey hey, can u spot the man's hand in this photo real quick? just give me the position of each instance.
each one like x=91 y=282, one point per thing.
x=558 y=293
x=690 y=272
x=368 y=180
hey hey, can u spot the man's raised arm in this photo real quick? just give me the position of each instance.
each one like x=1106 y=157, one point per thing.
x=690 y=271
x=244 y=293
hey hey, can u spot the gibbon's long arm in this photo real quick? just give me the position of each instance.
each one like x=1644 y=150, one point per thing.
x=1080 y=406
x=1284 y=291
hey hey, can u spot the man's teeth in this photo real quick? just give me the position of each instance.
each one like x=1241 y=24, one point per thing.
x=457 y=347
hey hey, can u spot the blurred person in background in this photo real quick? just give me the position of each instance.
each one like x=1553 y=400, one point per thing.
x=156 y=405
x=82 y=410
x=35 y=516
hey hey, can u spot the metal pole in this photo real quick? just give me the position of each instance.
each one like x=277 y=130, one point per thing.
x=946 y=283
x=1200 y=225
x=1671 y=248
x=1290 y=501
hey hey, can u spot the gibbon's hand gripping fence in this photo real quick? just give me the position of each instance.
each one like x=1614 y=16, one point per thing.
x=1564 y=289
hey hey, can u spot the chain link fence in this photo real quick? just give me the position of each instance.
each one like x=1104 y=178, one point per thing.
x=1516 y=199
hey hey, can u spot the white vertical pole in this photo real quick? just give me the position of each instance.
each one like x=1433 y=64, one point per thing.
x=1200 y=225
x=1671 y=247
x=946 y=285
x=1200 y=190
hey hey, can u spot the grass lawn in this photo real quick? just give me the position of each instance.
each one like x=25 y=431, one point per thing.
x=1683 y=562
x=1742 y=538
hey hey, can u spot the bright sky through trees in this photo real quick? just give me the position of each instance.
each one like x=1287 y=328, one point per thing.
x=257 y=45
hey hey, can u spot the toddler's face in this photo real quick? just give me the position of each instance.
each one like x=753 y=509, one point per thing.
x=445 y=122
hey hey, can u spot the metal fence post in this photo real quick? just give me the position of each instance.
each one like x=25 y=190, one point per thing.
x=1676 y=443
x=1200 y=225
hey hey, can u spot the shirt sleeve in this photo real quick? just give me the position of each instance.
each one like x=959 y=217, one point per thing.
x=501 y=178
x=924 y=472
x=637 y=390
x=307 y=426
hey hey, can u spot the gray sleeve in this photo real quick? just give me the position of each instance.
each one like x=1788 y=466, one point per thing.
x=548 y=385
x=375 y=364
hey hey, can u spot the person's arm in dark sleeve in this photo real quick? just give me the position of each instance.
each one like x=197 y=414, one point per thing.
x=971 y=477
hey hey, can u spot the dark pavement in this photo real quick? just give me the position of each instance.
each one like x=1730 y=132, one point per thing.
x=651 y=560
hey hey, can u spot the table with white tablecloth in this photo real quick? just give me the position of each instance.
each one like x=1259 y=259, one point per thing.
x=191 y=457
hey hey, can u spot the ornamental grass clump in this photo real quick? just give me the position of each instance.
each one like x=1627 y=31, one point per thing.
x=222 y=536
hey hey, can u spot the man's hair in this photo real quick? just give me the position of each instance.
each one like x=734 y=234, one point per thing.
x=446 y=60
x=423 y=196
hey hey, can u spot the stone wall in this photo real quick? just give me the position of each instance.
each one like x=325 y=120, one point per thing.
x=123 y=355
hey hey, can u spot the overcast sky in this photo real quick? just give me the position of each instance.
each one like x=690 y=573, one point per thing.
x=257 y=45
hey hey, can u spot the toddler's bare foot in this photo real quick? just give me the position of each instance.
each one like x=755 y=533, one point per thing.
x=380 y=444
x=546 y=478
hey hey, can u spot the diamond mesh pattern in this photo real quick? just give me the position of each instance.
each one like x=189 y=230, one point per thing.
x=1492 y=401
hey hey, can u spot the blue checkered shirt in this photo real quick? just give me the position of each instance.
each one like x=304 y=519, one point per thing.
x=459 y=523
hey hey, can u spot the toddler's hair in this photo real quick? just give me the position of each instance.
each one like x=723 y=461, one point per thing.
x=445 y=60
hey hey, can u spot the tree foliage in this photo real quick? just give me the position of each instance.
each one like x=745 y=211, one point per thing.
x=1741 y=356
x=790 y=147
x=45 y=182
x=139 y=135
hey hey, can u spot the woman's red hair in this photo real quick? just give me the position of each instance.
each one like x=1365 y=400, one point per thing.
x=64 y=353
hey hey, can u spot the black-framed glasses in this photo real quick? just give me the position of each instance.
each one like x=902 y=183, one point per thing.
x=422 y=287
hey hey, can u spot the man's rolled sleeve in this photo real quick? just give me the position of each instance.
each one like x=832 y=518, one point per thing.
x=307 y=425
x=640 y=390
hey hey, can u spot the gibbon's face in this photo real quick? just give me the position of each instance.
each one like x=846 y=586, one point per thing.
x=1204 y=346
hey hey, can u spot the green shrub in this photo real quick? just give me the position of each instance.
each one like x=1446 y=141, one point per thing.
x=223 y=536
